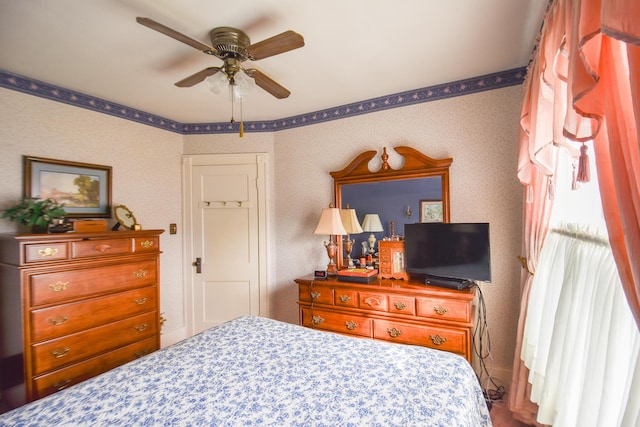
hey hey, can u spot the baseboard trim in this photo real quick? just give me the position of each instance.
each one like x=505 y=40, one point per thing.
x=172 y=337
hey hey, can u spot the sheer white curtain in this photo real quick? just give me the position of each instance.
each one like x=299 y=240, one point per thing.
x=580 y=341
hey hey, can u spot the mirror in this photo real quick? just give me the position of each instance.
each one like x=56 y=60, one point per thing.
x=417 y=192
x=125 y=217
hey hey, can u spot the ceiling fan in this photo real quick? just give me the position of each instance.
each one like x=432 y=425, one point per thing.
x=234 y=47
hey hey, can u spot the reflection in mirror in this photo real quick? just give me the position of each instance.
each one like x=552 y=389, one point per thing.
x=416 y=192
x=395 y=200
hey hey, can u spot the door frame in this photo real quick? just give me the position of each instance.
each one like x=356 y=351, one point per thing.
x=188 y=162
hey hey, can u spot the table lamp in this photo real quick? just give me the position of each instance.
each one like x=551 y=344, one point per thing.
x=330 y=223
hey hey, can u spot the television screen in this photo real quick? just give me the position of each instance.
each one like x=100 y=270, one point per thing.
x=458 y=251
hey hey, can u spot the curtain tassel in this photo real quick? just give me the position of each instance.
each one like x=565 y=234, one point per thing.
x=584 y=175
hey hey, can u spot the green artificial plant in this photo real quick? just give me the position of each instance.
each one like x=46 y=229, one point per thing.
x=35 y=212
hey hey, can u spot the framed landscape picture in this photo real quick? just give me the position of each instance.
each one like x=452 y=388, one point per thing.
x=431 y=211
x=85 y=189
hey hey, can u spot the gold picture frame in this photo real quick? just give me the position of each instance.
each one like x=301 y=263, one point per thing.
x=84 y=188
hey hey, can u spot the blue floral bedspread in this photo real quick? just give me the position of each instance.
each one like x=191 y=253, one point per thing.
x=254 y=371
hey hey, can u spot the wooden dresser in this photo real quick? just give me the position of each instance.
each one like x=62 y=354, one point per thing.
x=402 y=311
x=73 y=306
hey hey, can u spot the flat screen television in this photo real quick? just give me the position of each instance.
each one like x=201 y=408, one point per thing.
x=452 y=255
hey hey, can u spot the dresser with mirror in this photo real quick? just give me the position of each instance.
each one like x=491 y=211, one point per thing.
x=396 y=306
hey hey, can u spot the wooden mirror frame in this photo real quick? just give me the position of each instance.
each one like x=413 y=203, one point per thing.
x=416 y=165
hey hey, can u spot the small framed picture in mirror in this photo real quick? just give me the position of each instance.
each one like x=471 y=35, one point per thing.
x=431 y=211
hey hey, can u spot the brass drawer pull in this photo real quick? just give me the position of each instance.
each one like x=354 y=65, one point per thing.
x=140 y=301
x=58 y=286
x=103 y=247
x=440 y=310
x=140 y=273
x=316 y=320
x=60 y=352
x=437 y=339
x=58 y=320
x=315 y=295
x=141 y=327
x=345 y=298
x=146 y=244
x=371 y=301
x=62 y=384
x=47 y=252
x=141 y=353
x=394 y=333
x=400 y=305
x=351 y=325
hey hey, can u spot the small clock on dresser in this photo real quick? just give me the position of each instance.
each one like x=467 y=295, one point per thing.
x=392 y=259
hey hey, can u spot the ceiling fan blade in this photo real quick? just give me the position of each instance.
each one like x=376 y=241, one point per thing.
x=197 y=77
x=275 y=45
x=176 y=35
x=268 y=84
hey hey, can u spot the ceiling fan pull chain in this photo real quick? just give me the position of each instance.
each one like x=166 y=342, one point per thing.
x=241 y=122
x=232 y=99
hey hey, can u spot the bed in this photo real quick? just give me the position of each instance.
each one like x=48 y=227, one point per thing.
x=258 y=371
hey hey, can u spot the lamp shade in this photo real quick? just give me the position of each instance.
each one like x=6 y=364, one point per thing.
x=330 y=223
x=372 y=223
x=350 y=221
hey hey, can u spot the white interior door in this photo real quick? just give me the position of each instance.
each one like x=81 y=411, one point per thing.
x=227 y=235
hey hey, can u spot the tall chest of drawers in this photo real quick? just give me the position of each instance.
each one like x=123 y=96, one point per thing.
x=73 y=306
x=401 y=311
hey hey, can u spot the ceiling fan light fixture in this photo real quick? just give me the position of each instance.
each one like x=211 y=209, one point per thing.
x=217 y=83
x=243 y=84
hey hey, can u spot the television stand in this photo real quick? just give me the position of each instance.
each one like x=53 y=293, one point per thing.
x=443 y=282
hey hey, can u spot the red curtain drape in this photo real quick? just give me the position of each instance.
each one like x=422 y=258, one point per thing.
x=584 y=83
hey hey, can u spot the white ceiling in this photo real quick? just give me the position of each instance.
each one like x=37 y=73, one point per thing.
x=354 y=49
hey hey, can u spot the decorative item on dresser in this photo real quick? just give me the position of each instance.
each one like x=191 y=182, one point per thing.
x=392 y=259
x=405 y=311
x=73 y=306
x=392 y=256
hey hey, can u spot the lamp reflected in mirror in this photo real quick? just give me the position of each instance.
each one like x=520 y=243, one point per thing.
x=372 y=224
x=352 y=226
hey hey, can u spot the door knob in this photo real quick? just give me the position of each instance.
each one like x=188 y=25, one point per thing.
x=198 y=265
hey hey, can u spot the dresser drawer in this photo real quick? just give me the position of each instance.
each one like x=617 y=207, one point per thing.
x=66 y=377
x=442 y=338
x=316 y=294
x=146 y=244
x=402 y=304
x=444 y=309
x=73 y=348
x=373 y=301
x=47 y=288
x=104 y=247
x=336 y=322
x=346 y=298
x=39 y=252
x=65 y=319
